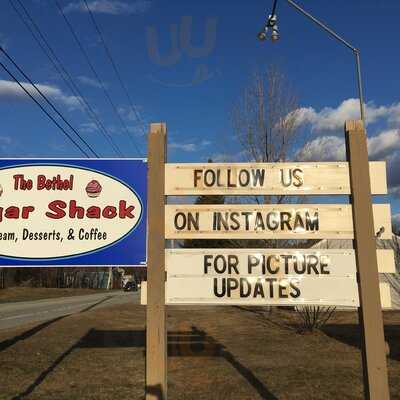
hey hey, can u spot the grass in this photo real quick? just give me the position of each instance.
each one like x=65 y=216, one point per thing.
x=214 y=353
x=17 y=294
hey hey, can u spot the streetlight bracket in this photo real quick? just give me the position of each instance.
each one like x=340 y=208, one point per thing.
x=336 y=36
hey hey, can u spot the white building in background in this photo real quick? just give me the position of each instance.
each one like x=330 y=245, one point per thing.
x=393 y=280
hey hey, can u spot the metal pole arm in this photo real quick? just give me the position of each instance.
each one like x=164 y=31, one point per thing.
x=322 y=25
x=343 y=41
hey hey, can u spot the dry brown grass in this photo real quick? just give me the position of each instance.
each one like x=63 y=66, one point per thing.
x=215 y=353
x=16 y=294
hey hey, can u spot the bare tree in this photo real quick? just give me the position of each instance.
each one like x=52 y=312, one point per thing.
x=265 y=117
x=265 y=121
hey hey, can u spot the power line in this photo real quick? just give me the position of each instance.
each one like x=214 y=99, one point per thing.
x=53 y=107
x=64 y=74
x=97 y=76
x=44 y=110
x=114 y=65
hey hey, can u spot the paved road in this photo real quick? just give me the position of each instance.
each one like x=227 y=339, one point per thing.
x=16 y=314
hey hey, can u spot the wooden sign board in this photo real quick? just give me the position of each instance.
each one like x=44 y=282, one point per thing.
x=314 y=291
x=267 y=276
x=324 y=263
x=307 y=221
x=263 y=290
x=319 y=278
x=267 y=178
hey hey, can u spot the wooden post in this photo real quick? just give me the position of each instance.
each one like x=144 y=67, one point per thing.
x=376 y=384
x=156 y=331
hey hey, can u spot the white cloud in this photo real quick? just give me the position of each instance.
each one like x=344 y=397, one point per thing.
x=137 y=125
x=396 y=220
x=112 y=7
x=332 y=119
x=7 y=145
x=238 y=156
x=384 y=146
x=394 y=114
x=6 y=140
x=12 y=91
x=221 y=157
x=395 y=191
x=130 y=114
x=90 y=82
x=323 y=148
x=138 y=130
x=88 y=127
x=393 y=168
x=189 y=147
x=332 y=148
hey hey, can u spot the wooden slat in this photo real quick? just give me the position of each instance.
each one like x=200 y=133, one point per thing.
x=386 y=261
x=335 y=221
x=217 y=262
x=386 y=299
x=241 y=178
x=311 y=291
x=384 y=289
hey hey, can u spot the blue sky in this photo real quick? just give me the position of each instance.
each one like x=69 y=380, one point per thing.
x=194 y=87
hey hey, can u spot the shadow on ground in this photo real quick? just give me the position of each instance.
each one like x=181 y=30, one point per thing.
x=350 y=334
x=196 y=343
x=193 y=343
x=264 y=315
x=27 y=334
x=30 y=332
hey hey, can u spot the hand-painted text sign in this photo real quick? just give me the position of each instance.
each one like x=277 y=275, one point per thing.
x=73 y=212
x=267 y=179
x=197 y=263
x=265 y=276
x=268 y=221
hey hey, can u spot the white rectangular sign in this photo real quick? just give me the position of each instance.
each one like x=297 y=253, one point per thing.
x=266 y=276
x=320 y=292
x=255 y=290
x=306 y=221
x=199 y=263
x=303 y=178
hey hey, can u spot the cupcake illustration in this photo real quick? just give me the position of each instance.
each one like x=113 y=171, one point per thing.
x=93 y=188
